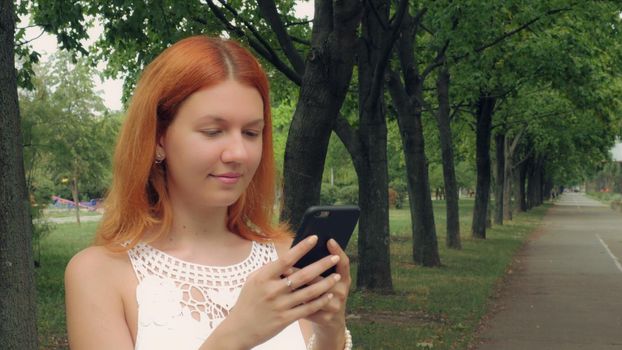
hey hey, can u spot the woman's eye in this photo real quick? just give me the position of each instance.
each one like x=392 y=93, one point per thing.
x=252 y=133
x=211 y=132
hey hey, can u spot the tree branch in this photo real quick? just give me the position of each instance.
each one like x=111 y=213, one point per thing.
x=514 y=144
x=440 y=58
x=426 y=29
x=256 y=41
x=291 y=24
x=384 y=25
x=405 y=50
x=520 y=28
x=33 y=39
x=385 y=52
x=300 y=40
x=270 y=14
x=398 y=92
x=348 y=136
x=438 y=61
x=512 y=32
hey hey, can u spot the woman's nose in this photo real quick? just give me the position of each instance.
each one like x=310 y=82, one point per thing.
x=235 y=150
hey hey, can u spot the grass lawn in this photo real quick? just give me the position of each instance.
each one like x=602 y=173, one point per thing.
x=431 y=308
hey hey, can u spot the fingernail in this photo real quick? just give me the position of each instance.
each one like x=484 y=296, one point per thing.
x=334 y=258
x=337 y=277
x=312 y=240
x=330 y=295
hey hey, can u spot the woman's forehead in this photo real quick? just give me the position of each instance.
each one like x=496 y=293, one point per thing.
x=224 y=101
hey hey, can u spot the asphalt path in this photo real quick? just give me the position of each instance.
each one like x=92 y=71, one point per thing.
x=72 y=219
x=565 y=291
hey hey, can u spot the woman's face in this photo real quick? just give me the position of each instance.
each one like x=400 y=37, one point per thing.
x=214 y=144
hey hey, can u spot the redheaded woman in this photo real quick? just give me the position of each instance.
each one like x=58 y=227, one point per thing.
x=186 y=255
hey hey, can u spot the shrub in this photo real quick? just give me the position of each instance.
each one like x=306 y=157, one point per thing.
x=393 y=198
x=328 y=194
x=348 y=195
x=400 y=189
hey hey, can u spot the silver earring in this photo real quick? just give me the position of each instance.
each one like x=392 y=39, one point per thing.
x=159 y=158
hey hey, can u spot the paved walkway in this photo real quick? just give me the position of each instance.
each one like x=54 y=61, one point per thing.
x=71 y=219
x=566 y=290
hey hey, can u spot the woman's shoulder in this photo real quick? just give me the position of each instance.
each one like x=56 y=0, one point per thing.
x=97 y=289
x=96 y=265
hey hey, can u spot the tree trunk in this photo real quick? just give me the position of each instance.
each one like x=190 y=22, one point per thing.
x=324 y=86
x=548 y=188
x=541 y=182
x=407 y=100
x=447 y=153
x=533 y=183
x=374 y=268
x=508 y=183
x=425 y=242
x=500 y=178
x=371 y=164
x=522 y=183
x=485 y=107
x=18 y=320
x=489 y=211
x=368 y=146
x=76 y=197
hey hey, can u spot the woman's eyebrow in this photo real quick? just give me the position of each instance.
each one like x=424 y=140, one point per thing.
x=223 y=120
x=212 y=118
x=256 y=122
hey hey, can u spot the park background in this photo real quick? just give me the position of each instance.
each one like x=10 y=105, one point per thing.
x=449 y=123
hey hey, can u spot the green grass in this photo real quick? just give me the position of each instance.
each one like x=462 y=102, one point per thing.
x=431 y=308
x=56 y=250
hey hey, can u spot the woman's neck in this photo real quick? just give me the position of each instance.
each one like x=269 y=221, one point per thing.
x=201 y=236
x=197 y=225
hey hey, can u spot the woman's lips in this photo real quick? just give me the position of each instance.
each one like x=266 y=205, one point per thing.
x=228 y=178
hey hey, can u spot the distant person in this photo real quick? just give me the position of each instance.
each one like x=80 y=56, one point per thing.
x=186 y=256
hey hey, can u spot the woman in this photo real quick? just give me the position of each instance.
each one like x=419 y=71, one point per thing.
x=186 y=255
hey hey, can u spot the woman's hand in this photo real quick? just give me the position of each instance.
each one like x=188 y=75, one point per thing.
x=329 y=323
x=268 y=302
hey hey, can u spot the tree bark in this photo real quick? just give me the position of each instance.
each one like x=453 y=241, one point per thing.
x=76 y=197
x=368 y=145
x=447 y=154
x=548 y=187
x=500 y=178
x=18 y=321
x=425 y=242
x=408 y=100
x=539 y=197
x=508 y=183
x=511 y=176
x=485 y=107
x=534 y=183
x=522 y=183
x=371 y=166
x=324 y=86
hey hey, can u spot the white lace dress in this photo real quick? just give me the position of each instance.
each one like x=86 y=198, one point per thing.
x=180 y=303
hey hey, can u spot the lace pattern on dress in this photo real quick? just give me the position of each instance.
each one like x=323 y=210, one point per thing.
x=173 y=292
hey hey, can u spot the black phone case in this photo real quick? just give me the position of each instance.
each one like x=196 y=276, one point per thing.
x=326 y=222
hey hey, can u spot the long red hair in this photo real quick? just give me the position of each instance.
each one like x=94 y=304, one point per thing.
x=138 y=199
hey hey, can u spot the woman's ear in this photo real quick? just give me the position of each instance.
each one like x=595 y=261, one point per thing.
x=160 y=153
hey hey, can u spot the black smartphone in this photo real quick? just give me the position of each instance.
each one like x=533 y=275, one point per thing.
x=335 y=221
